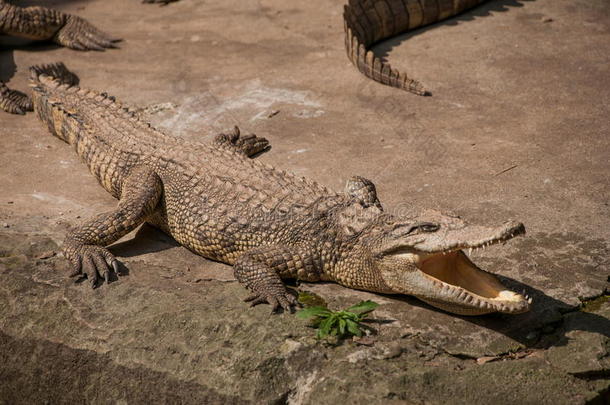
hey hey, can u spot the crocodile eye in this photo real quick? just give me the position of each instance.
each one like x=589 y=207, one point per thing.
x=404 y=230
x=428 y=227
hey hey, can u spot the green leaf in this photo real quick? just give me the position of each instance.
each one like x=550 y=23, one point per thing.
x=350 y=315
x=353 y=328
x=338 y=323
x=313 y=311
x=342 y=326
x=319 y=334
x=363 y=307
x=333 y=320
x=325 y=326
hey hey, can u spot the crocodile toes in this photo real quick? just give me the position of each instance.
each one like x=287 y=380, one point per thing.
x=161 y=2
x=252 y=145
x=14 y=101
x=81 y=35
x=284 y=300
x=93 y=262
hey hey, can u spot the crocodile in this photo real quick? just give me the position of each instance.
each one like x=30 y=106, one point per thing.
x=45 y=24
x=367 y=22
x=220 y=202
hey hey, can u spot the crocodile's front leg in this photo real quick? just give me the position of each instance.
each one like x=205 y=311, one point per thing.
x=41 y=23
x=140 y=194
x=14 y=101
x=261 y=270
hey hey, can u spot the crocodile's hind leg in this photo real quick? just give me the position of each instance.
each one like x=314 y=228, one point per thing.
x=13 y=101
x=261 y=270
x=140 y=194
x=250 y=145
x=80 y=34
x=364 y=191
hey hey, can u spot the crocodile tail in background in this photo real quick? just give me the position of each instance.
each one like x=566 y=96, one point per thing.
x=367 y=22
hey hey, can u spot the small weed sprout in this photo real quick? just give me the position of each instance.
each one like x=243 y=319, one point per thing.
x=338 y=323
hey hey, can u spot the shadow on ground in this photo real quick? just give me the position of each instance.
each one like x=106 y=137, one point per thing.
x=383 y=48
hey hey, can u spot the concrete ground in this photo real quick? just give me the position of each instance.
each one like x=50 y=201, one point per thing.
x=517 y=127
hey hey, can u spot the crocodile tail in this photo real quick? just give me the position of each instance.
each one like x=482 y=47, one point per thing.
x=367 y=22
x=46 y=82
x=372 y=66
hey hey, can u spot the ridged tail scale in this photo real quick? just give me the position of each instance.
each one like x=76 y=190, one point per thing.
x=367 y=22
x=44 y=79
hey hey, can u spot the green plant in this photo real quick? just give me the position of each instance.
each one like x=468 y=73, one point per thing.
x=338 y=323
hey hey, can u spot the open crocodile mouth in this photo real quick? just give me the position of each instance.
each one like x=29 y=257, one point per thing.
x=478 y=291
x=467 y=289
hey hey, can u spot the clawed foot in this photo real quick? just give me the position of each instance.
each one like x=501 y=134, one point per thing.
x=162 y=2
x=80 y=34
x=250 y=144
x=285 y=300
x=13 y=101
x=94 y=262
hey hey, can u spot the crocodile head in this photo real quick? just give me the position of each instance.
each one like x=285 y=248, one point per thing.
x=425 y=257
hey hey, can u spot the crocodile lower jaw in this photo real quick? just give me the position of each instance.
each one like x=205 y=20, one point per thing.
x=466 y=289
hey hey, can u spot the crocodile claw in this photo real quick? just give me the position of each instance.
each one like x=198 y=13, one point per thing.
x=250 y=144
x=286 y=301
x=161 y=2
x=93 y=262
x=81 y=35
x=116 y=266
x=14 y=101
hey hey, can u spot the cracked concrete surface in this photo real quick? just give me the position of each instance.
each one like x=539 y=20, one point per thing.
x=516 y=128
